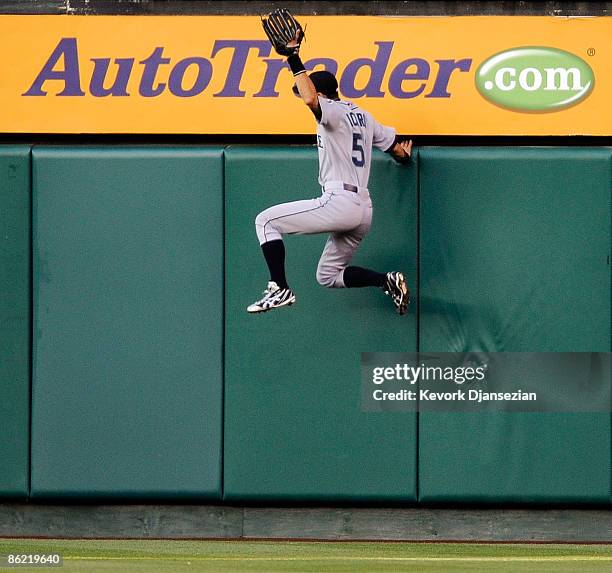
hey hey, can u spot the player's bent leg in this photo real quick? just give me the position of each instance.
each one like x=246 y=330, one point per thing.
x=278 y=293
x=323 y=214
x=336 y=255
x=333 y=271
x=270 y=225
x=274 y=253
x=265 y=228
x=339 y=251
x=328 y=279
x=326 y=214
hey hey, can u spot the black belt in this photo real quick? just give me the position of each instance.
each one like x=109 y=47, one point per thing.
x=349 y=187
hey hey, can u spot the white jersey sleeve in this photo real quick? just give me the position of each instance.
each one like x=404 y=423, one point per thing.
x=383 y=137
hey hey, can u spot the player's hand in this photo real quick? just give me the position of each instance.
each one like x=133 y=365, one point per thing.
x=297 y=39
x=402 y=151
x=407 y=147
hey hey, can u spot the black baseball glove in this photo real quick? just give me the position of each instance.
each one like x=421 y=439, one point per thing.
x=284 y=31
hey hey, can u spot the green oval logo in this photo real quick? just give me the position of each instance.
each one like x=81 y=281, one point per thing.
x=535 y=79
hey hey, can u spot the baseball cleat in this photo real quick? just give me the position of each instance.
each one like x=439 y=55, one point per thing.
x=274 y=297
x=397 y=289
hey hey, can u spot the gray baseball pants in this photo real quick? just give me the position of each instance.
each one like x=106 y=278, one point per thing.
x=345 y=215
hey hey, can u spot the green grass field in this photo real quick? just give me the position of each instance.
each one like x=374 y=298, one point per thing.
x=93 y=556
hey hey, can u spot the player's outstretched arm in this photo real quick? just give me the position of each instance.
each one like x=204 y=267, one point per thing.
x=401 y=151
x=306 y=88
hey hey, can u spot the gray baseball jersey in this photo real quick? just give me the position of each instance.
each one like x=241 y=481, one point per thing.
x=345 y=137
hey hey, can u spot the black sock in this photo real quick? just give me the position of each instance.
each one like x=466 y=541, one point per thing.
x=355 y=277
x=274 y=252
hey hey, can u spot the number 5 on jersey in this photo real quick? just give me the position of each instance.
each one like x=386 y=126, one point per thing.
x=358 y=156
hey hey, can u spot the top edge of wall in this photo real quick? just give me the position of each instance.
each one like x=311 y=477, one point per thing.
x=356 y=8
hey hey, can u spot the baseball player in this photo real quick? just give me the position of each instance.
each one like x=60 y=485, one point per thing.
x=345 y=137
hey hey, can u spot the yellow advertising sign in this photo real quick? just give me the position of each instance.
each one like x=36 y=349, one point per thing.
x=478 y=75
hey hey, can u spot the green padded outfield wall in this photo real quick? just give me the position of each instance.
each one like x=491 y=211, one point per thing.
x=294 y=429
x=128 y=287
x=15 y=246
x=515 y=247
